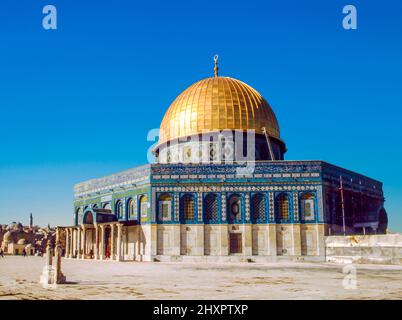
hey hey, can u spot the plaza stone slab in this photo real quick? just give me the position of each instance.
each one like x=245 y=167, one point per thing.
x=91 y=279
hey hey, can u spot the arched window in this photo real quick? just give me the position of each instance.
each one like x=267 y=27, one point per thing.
x=234 y=207
x=94 y=206
x=130 y=208
x=79 y=215
x=107 y=206
x=88 y=218
x=282 y=207
x=165 y=207
x=119 y=209
x=307 y=207
x=143 y=206
x=211 y=208
x=257 y=208
x=187 y=207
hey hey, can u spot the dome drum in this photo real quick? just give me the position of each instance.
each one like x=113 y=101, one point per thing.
x=218 y=148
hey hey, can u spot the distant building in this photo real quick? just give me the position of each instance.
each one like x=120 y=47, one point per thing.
x=15 y=237
x=181 y=208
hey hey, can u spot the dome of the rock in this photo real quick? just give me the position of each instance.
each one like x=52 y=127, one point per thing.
x=213 y=107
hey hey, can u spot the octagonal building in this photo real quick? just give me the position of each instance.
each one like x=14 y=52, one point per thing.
x=220 y=190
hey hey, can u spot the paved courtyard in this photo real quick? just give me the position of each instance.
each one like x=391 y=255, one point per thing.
x=130 y=280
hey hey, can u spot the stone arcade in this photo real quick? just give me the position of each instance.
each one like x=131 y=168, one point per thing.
x=181 y=208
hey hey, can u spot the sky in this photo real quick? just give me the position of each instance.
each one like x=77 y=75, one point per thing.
x=78 y=102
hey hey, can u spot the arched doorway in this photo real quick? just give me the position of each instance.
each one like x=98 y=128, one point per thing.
x=235 y=217
x=88 y=218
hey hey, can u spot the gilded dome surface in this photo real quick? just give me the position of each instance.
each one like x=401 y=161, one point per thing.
x=216 y=104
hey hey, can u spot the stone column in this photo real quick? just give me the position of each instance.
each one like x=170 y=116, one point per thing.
x=67 y=254
x=96 y=251
x=57 y=234
x=296 y=234
x=49 y=254
x=84 y=242
x=70 y=238
x=272 y=239
x=248 y=239
x=138 y=244
x=47 y=277
x=73 y=242
x=119 y=236
x=112 y=254
x=320 y=233
x=79 y=242
x=58 y=275
x=70 y=243
x=102 y=242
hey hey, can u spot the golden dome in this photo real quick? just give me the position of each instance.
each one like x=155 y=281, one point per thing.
x=216 y=104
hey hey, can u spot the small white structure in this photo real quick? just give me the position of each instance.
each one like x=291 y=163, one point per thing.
x=59 y=277
x=47 y=279
x=380 y=249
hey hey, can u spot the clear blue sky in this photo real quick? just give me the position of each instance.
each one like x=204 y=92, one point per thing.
x=78 y=102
